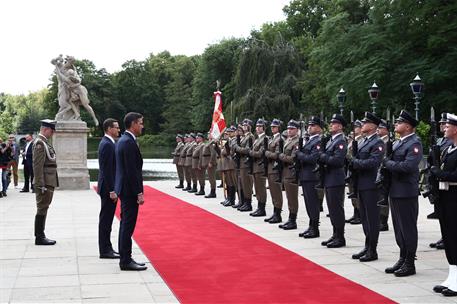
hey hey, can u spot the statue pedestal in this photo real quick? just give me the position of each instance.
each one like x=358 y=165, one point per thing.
x=70 y=144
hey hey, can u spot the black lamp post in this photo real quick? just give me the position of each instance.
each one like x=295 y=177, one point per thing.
x=417 y=86
x=341 y=96
x=373 y=92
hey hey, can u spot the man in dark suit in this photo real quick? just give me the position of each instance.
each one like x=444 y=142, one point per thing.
x=107 y=169
x=27 y=157
x=129 y=187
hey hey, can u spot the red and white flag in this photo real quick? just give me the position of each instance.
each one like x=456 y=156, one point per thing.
x=218 y=125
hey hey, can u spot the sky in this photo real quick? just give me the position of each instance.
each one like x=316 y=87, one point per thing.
x=109 y=33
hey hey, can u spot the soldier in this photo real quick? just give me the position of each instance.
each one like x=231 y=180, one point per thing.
x=357 y=136
x=188 y=163
x=228 y=166
x=245 y=178
x=287 y=157
x=197 y=157
x=308 y=176
x=237 y=158
x=258 y=172
x=383 y=133
x=403 y=192
x=366 y=163
x=182 y=163
x=447 y=177
x=209 y=164
x=176 y=158
x=273 y=176
x=443 y=143
x=46 y=179
x=333 y=158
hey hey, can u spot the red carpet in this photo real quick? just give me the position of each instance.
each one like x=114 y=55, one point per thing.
x=206 y=259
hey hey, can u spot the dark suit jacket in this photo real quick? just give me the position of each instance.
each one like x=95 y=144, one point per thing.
x=367 y=161
x=308 y=157
x=28 y=155
x=107 y=166
x=129 y=165
x=334 y=159
x=404 y=166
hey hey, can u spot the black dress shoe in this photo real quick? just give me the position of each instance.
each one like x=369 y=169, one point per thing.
x=110 y=255
x=259 y=212
x=360 y=254
x=356 y=221
x=439 y=288
x=289 y=225
x=312 y=234
x=440 y=244
x=369 y=256
x=138 y=263
x=396 y=266
x=44 y=241
x=432 y=216
x=324 y=243
x=449 y=293
x=24 y=190
x=132 y=267
x=432 y=245
x=337 y=243
x=302 y=234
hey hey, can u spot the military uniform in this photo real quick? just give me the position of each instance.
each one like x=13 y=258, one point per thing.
x=176 y=160
x=308 y=157
x=355 y=219
x=199 y=171
x=188 y=163
x=228 y=168
x=209 y=163
x=333 y=158
x=182 y=163
x=447 y=211
x=366 y=163
x=384 y=208
x=245 y=178
x=403 y=195
x=258 y=171
x=45 y=181
x=289 y=177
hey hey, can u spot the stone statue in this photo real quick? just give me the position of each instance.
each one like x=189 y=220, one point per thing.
x=71 y=93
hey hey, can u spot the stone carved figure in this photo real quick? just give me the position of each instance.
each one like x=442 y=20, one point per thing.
x=71 y=93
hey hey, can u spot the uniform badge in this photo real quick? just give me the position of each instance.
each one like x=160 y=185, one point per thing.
x=416 y=150
x=341 y=147
x=380 y=148
x=318 y=147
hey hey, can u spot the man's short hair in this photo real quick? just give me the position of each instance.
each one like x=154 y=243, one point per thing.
x=130 y=117
x=108 y=123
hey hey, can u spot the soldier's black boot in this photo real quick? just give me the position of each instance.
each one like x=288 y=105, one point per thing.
x=313 y=231
x=231 y=192
x=240 y=199
x=40 y=237
x=181 y=184
x=291 y=223
x=276 y=218
x=302 y=234
x=202 y=191
x=356 y=218
x=194 y=189
x=324 y=243
x=187 y=188
x=440 y=244
x=371 y=254
x=408 y=268
x=398 y=264
x=360 y=254
x=383 y=225
x=247 y=206
x=339 y=240
x=260 y=210
x=212 y=194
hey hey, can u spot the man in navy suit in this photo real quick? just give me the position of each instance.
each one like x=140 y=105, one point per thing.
x=129 y=187
x=107 y=169
x=27 y=157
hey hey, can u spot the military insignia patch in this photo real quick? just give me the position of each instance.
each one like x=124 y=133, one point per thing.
x=341 y=147
x=380 y=148
x=416 y=150
x=318 y=147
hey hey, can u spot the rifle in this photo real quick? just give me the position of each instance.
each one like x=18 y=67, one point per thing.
x=265 y=159
x=227 y=147
x=237 y=155
x=352 y=174
x=384 y=178
x=321 y=168
x=297 y=164
x=433 y=159
x=278 y=164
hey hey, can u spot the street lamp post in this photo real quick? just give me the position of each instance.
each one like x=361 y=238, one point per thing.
x=341 y=96
x=373 y=92
x=417 y=86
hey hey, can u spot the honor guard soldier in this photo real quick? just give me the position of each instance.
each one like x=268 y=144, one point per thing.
x=333 y=159
x=46 y=179
x=245 y=178
x=209 y=164
x=446 y=174
x=358 y=137
x=197 y=157
x=289 y=178
x=239 y=132
x=383 y=133
x=403 y=192
x=308 y=157
x=176 y=160
x=182 y=163
x=366 y=163
x=443 y=143
x=258 y=171
x=228 y=166
x=273 y=176
x=188 y=163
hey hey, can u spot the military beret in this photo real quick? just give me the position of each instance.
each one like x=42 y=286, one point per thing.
x=293 y=124
x=370 y=117
x=337 y=118
x=275 y=123
x=315 y=120
x=451 y=119
x=49 y=123
x=406 y=117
